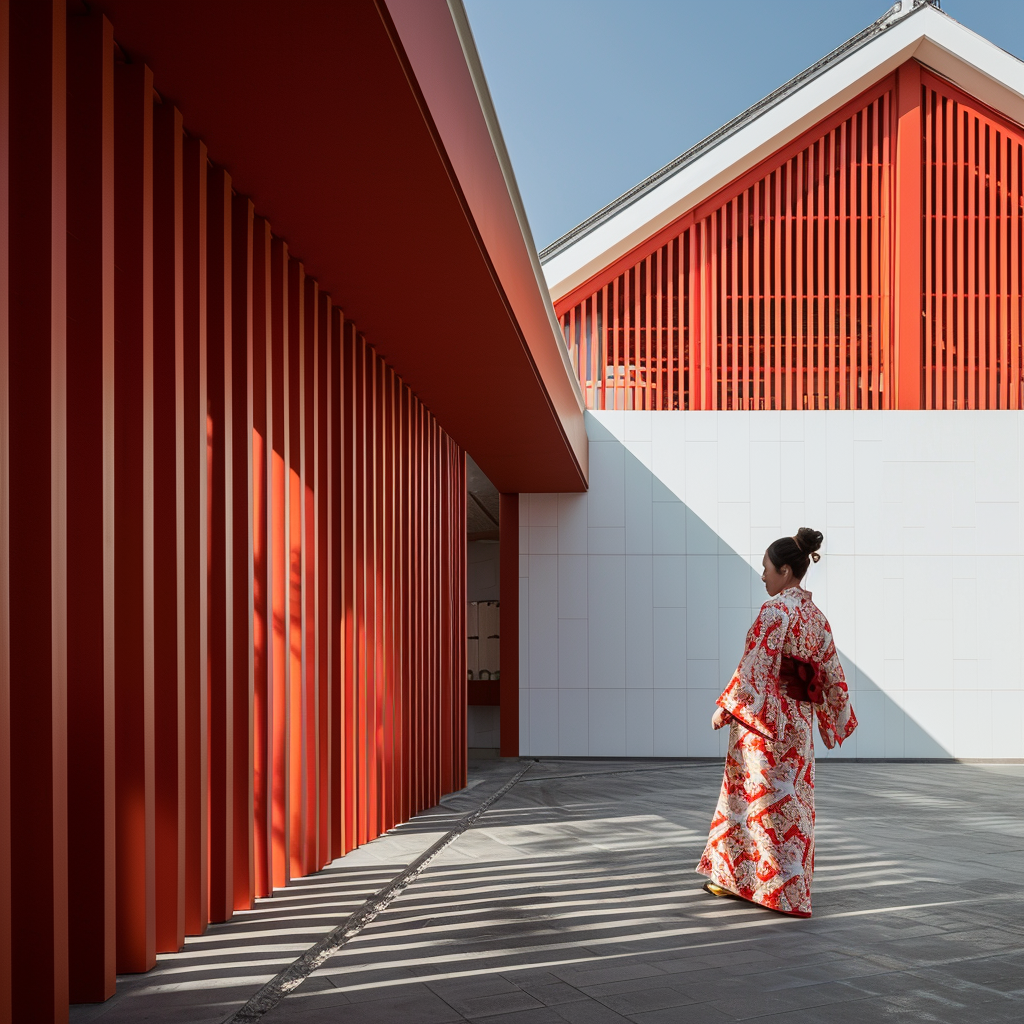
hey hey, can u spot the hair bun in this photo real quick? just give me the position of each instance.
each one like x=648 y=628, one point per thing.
x=808 y=541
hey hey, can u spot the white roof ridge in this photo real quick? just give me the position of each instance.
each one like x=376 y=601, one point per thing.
x=755 y=110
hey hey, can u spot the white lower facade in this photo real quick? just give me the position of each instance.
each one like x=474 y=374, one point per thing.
x=635 y=597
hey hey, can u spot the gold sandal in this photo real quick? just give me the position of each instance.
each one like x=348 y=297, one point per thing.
x=717 y=890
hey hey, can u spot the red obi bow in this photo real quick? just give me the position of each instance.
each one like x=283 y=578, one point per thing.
x=801 y=680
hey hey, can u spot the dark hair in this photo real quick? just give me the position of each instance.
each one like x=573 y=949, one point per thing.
x=796 y=552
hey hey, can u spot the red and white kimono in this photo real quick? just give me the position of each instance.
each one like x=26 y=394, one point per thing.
x=761 y=843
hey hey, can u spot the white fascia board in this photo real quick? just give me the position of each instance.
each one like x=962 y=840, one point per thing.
x=969 y=60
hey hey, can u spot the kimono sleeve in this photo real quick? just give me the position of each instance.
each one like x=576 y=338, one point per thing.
x=752 y=696
x=835 y=713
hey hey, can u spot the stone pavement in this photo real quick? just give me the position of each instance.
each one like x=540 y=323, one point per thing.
x=573 y=899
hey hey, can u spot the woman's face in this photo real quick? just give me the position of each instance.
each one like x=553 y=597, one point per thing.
x=775 y=580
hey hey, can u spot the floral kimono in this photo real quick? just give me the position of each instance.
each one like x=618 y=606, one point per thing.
x=761 y=843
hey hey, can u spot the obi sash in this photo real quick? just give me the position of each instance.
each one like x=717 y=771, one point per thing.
x=800 y=680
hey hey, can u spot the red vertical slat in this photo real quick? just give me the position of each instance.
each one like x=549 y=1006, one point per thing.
x=885 y=346
x=296 y=640
x=614 y=351
x=944 y=396
x=196 y=529
x=310 y=693
x=359 y=611
x=395 y=602
x=240 y=482
x=373 y=694
x=322 y=546
x=731 y=338
x=280 y=613
x=929 y=246
x=842 y=220
x=960 y=192
x=714 y=293
x=1004 y=307
x=867 y=342
x=913 y=216
x=972 y=277
x=801 y=308
x=820 y=334
x=907 y=297
x=169 y=527
x=786 y=288
x=90 y=566
x=133 y=514
x=336 y=554
x=220 y=609
x=1013 y=295
x=757 y=293
x=262 y=461
x=991 y=280
x=693 y=333
x=35 y=491
x=348 y=497
x=6 y=949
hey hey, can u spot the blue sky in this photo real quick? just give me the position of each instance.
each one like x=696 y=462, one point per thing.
x=594 y=95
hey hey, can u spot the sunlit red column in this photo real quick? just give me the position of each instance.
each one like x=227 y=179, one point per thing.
x=194 y=443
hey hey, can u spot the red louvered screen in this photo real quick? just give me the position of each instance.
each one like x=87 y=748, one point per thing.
x=779 y=291
x=972 y=253
x=771 y=295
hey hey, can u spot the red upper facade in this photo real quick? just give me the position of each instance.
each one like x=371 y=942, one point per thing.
x=872 y=261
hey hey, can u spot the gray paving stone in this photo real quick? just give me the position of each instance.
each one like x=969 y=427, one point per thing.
x=574 y=900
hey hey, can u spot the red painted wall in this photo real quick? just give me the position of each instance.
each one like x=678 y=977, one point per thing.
x=287 y=574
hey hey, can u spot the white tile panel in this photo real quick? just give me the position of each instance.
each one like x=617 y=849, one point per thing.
x=928 y=726
x=637 y=425
x=670 y=723
x=640 y=723
x=669 y=528
x=766 y=485
x=701 y=739
x=606 y=504
x=524 y=721
x=606 y=540
x=640 y=647
x=922 y=576
x=669 y=581
x=573 y=654
x=701 y=537
x=606 y=589
x=607 y=723
x=733 y=527
x=543 y=540
x=670 y=647
x=572 y=586
x=543 y=722
x=543 y=510
x=524 y=631
x=639 y=510
x=573 y=723
x=543 y=620
x=734 y=573
x=572 y=524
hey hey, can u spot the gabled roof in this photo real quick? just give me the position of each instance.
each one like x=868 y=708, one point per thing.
x=911 y=29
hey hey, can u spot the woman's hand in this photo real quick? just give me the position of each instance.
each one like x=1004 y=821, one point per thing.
x=826 y=737
x=720 y=718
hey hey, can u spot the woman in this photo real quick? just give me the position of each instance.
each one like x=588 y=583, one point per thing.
x=761 y=845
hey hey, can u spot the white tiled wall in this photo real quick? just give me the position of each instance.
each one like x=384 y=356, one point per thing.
x=635 y=597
